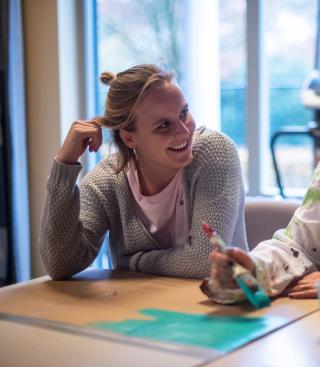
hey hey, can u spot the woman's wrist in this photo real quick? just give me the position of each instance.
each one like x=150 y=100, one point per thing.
x=66 y=162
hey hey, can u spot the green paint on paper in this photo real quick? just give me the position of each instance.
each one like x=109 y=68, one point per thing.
x=224 y=333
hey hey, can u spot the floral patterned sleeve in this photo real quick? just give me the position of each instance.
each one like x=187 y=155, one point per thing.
x=292 y=252
x=295 y=251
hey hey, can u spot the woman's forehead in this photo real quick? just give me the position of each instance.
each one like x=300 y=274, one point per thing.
x=167 y=96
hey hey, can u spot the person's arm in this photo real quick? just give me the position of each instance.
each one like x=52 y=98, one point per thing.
x=294 y=252
x=71 y=233
x=217 y=198
x=280 y=266
x=286 y=264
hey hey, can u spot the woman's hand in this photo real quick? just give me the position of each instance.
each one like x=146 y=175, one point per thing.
x=304 y=287
x=82 y=134
x=222 y=265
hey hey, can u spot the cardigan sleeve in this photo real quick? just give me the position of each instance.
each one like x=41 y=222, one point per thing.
x=216 y=197
x=71 y=234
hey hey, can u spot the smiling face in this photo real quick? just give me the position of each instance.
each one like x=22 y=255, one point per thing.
x=164 y=130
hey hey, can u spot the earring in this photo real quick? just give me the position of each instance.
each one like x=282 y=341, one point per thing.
x=134 y=157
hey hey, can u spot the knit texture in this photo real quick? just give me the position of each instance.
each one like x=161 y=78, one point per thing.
x=75 y=221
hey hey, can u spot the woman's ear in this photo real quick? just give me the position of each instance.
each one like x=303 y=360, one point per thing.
x=127 y=138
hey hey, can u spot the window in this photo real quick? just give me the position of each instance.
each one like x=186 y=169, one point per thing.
x=250 y=59
x=288 y=47
x=158 y=33
x=233 y=78
x=290 y=52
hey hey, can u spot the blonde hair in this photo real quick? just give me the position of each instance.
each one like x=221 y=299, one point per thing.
x=127 y=89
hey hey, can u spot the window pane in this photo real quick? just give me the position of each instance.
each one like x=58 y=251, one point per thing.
x=290 y=47
x=233 y=74
x=140 y=31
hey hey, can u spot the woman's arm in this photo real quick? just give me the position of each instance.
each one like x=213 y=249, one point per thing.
x=72 y=229
x=71 y=233
x=217 y=198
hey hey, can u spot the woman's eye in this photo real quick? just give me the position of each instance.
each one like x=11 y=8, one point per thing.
x=164 y=125
x=184 y=114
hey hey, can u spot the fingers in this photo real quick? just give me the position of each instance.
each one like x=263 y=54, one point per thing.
x=315 y=277
x=242 y=258
x=225 y=260
x=298 y=288
x=308 y=281
x=222 y=265
x=82 y=134
x=221 y=259
x=93 y=129
x=222 y=273
x=224 y=277
x=222 y=269
x=303 y=288
x=310 y=293
x=90 y=132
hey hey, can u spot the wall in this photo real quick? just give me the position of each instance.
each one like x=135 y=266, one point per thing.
x=52 y=94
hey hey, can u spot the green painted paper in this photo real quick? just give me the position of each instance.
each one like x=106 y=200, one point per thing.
x=223 y=333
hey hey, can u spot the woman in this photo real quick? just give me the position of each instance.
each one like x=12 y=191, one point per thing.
x=152 y=195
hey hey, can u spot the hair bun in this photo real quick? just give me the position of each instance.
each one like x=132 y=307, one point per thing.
x=107 y=78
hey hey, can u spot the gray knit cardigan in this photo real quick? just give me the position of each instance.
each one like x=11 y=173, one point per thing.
x=74 y=222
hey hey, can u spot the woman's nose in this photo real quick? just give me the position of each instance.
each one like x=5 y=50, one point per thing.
x=181 y=129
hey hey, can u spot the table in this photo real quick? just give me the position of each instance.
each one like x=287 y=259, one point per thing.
x=45 y=322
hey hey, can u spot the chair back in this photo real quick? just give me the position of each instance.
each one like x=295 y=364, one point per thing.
x=265 y=216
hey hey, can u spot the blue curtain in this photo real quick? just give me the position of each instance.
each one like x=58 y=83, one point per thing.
x=14 y=206
x=5 y=149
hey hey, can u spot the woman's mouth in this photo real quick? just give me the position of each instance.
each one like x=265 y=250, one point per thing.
x=179 y=148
